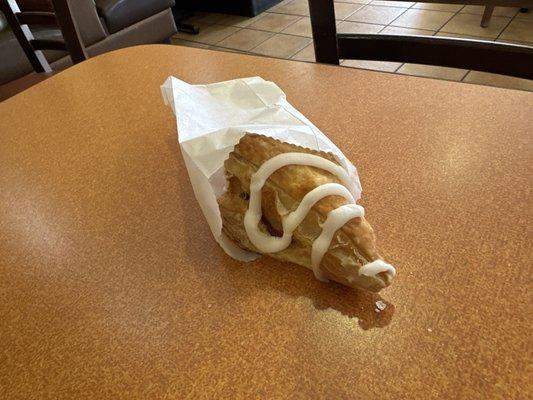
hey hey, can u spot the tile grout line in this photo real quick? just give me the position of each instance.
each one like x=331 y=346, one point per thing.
x=385 y=27
x=291 y=24
x=270 y=11
x=279 y=57
x=275 y=33
x=299 y=17
x=434 y=34
x=262 y=30
x=498 y=16
x=364 y=23
x=468 y=72
x=494 y=40
x=440 y=30
x=253 y=47
x=240 y=29
x=213 y=45
x=342 y=20
x=505 y=27
x=250 y=51
x=389 y=24
x=300 y=49
x=452 y=17
x=401 y=64
x=307 y=45
x=225 y=37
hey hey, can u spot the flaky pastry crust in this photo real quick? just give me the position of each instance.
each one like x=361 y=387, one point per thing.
x=352 y=246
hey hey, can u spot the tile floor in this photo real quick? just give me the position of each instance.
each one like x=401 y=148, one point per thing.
x=284 y=31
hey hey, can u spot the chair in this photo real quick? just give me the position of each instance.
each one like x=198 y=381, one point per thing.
x=497 y=58
x=104 y=25
x=19 y=21
x=61 y=17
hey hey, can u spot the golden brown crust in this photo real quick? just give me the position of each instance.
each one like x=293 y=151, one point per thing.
x=353 y=245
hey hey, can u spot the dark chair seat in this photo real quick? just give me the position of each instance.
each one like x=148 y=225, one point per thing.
x=14 y=61
x=38 y=30
x=118 y=14
x=14 y=64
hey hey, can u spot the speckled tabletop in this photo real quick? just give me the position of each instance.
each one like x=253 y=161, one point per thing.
x=111 y=285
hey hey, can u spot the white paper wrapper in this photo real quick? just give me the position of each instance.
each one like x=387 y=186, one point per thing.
x=211 y=119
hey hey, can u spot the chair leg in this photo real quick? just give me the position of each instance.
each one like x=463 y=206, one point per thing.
x=487 y=16
x=324 y=31
x=188 y=28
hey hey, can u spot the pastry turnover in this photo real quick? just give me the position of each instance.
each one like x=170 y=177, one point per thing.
x=289 y=203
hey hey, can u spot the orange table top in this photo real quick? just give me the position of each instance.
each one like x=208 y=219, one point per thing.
x=111 y=285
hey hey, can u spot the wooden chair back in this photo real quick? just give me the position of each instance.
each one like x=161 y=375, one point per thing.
x=330 y=47
x=61 y=17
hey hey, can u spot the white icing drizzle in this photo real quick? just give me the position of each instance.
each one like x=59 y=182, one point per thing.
x=335 y=219
x=271 y=244
x=375 y=267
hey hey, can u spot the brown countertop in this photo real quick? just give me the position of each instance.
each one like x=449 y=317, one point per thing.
x=111 y=285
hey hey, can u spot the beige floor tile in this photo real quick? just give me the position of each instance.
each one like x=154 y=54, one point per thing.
x=282 y=46
x=376 y=14
x=239 y=20
x=438 y=7
x=294 y=7
x=358 y=27
x=431 y=71
x=343 y=10
x=458 y=35
x=468 y=24
x=209 y=34
x=188 y=43
x=306 y=54
x=245 y=39
x=274 y=22
x=498 y=11
x=526 y=15
x=484 y=78
x=396 y=30
x=520 y=30
x=404 y=4
x=302 y=27
x=423 y=19
x=373 y=65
